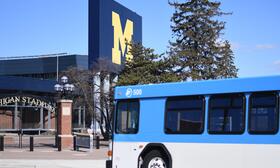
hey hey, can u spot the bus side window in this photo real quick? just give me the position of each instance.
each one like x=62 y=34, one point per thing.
x=127 y=121
x=226 y=114
x=263 y=113
x=184 y=115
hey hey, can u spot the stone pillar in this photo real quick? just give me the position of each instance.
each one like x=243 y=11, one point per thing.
x=84 y=117
x=80 y=116
x=49 y=119
x=16 y=116
x=41 y=118
x=64 y=120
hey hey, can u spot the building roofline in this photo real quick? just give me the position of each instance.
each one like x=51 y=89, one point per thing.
x=35 y=56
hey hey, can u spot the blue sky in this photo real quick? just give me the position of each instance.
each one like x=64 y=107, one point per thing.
x=32 y=27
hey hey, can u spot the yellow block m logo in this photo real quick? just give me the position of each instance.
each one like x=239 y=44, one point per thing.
x=120 y=38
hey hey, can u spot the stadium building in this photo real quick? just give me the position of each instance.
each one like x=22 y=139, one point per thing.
x=27 y=96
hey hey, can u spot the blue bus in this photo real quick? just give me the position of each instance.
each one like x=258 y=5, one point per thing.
x=218 y=123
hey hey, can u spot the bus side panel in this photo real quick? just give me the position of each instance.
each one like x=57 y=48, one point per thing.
x=214 y=155
x=201 y=155
x=127 y=147
x=126 y=154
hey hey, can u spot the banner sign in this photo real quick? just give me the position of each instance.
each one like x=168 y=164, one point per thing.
x=111 y=27
x=28 y=101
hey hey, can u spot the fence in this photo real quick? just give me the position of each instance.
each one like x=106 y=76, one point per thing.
x=19 y=141
x=40 y=142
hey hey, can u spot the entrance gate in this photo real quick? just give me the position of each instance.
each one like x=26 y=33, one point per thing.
x=25 y=116
x=24 y=113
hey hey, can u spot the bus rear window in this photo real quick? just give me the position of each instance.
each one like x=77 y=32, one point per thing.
x=184 y=115
x=127 y=121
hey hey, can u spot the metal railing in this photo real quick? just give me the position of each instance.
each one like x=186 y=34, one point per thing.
x=26 y=141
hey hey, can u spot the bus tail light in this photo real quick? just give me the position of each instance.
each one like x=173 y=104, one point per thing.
x=110 y=154
x=110 y=151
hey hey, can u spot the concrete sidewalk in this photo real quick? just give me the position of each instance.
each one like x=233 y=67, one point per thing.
x=53 y=154
x=52 y=163
x=51 y=158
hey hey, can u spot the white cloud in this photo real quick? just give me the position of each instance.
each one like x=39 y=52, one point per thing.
x=235 y=45
x=265 y=46
x=277 y=62
x=276 y=65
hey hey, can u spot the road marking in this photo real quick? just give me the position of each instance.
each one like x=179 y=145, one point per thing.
x=16 y=151
x=80 y=154
x=46 y=151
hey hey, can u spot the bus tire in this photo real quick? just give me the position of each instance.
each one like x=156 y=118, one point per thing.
x=155 y=159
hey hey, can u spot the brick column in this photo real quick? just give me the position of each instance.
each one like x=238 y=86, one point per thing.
x=64 y=121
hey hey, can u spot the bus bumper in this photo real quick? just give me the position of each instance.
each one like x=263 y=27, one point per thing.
x=108 y=163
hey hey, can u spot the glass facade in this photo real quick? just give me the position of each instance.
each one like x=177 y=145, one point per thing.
x=27 y=96
x=42 y=67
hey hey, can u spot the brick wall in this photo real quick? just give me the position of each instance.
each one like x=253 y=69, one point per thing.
x=6 y=119
x=65 y=120
x=53 y=120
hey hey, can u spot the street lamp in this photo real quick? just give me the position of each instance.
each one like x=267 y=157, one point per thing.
x=63 y=87
x=64 y=113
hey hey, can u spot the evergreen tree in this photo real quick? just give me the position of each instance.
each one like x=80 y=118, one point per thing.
x=198 y=51
x=146 y=67
x=225 y=65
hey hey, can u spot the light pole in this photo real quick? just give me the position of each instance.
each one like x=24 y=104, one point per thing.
x=64 y=117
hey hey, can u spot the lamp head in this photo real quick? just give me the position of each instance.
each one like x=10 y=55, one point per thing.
x=58 y=88
x=64 y=79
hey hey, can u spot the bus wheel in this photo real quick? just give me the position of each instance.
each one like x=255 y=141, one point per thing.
x=155 y=159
